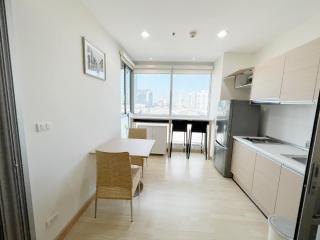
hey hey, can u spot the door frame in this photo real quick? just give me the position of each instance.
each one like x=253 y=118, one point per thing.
x=15 y=195
x=309 y=211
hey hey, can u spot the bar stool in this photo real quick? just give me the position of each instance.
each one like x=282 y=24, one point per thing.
x=199 y=127
x=180 y=126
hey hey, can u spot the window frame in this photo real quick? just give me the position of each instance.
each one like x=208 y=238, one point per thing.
x=124 y=79
x=173 y=70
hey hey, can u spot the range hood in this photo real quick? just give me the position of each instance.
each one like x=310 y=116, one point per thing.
x=279 y=102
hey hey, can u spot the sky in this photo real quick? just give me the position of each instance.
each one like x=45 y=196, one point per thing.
x=183 y=84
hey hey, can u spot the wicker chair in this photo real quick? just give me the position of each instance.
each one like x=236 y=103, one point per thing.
x=116 y=178
x=138 y=133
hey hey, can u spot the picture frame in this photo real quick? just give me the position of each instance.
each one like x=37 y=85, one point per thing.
x=94 y=60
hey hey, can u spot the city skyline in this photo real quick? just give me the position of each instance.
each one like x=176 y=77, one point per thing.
x=190 y=98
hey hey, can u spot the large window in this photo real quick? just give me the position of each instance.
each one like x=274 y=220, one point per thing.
x=152 y=93
x=172 y=92
x=190 y=94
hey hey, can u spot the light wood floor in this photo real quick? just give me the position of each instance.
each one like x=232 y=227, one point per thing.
x=181 y=200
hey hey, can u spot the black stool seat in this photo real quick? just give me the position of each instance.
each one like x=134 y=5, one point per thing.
x=180 y=126
x=199 y=127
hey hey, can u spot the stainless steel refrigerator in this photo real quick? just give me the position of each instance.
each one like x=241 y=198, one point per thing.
x=234 y=118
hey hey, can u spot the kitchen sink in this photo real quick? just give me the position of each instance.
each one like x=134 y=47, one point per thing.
x=299 y=158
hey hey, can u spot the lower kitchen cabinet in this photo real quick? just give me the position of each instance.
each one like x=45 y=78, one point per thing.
x=289 y=193
x=265 y=183
x=242 y=165
x=273 y=187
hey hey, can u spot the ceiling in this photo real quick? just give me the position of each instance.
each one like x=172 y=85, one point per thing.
x=250 y=23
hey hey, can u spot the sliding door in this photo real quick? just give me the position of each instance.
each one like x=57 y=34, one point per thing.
x=16 y=219
x=309 y=213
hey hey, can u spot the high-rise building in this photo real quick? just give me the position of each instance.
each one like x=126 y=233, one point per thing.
x=145 y=97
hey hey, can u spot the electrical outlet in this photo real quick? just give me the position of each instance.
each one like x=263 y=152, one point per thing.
x=43 y=126
x=51 y=220
x=48 y=125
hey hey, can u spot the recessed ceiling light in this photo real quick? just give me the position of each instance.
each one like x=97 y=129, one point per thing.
x=193 y=58
x=222 y=33
x=145 y=34
x=150 y=58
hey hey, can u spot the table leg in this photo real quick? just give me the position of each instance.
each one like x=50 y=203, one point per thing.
x=170 y=138
x=209 y=140
x=139 y=189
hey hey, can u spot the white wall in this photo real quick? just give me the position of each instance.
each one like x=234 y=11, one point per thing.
x=289 y=123
x=215 y=97
x=51 y=85
x=303 y=33
x=217 y=78
x=233 y=62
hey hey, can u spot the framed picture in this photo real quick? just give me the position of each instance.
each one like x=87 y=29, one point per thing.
x=94 y=60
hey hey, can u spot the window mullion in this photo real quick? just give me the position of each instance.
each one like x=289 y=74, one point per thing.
x=131 y=91
x=125 y=87
x=209 y=95
x=171 y=85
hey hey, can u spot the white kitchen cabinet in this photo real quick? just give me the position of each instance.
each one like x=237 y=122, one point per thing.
x=300 y=73
x=265 y=183
x=289 y=193
x=242 y=165
x=267 y=80
x=159 y=134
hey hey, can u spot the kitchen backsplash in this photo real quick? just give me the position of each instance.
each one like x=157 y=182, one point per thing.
x=290 y=123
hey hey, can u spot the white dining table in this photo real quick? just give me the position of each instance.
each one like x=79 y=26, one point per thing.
x=135 y=147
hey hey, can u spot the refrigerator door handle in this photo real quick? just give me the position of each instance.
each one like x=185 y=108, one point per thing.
x=221 y=145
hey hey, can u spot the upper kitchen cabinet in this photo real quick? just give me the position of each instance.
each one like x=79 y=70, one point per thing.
x=300 y=73
x=267 y=80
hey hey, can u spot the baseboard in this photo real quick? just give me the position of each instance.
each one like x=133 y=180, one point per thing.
x=75 y=218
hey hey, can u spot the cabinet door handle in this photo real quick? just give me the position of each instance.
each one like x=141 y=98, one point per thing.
x=311 y=183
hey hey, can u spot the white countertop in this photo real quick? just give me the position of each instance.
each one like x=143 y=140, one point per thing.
x=275 y=151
